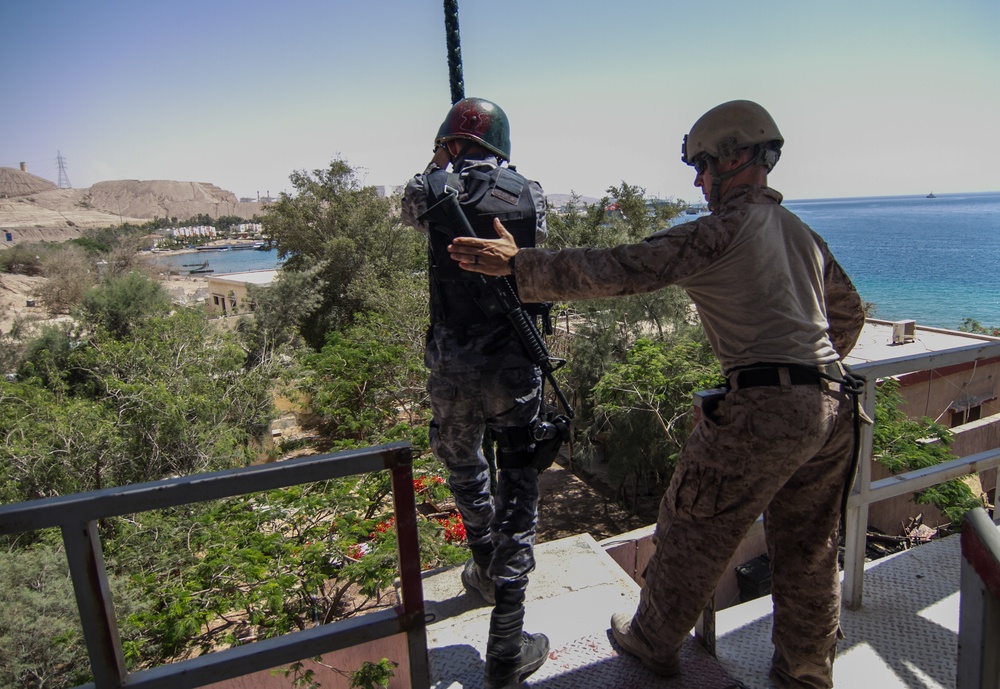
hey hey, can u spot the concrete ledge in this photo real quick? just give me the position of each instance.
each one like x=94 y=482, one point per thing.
x=573 y=592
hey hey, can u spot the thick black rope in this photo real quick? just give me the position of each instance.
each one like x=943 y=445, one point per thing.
x=453 y=40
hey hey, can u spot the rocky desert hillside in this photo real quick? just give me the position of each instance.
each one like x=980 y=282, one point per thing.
x=34 y=209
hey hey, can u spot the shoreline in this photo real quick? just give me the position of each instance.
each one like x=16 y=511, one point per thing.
x=210 y=247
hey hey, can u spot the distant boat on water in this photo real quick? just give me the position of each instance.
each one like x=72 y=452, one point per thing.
x=931 y=195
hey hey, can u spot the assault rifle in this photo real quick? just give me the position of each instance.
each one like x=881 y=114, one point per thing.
x=505 y=301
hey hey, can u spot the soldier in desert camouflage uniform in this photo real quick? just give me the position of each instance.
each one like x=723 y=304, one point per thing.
x=481 y=376
x=780 y=314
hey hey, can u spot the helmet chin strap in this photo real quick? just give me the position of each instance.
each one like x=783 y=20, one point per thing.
x=717 y=179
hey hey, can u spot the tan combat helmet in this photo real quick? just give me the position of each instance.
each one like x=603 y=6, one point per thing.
x=728 y=128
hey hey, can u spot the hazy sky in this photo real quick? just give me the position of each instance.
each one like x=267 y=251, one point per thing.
x=874 y=98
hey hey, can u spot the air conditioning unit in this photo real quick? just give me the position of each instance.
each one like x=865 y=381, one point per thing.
x=904 y=331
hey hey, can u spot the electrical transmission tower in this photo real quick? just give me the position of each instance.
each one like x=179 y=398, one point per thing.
x=63 y=182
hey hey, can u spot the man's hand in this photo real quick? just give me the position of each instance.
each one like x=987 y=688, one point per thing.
x=487 y=256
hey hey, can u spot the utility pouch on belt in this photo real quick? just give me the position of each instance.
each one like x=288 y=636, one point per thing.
x=709 y=401
x=550 y=434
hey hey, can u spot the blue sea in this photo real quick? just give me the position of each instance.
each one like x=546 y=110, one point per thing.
x=935 y=260
x=222 y=262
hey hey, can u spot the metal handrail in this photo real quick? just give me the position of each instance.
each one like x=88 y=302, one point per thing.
x=77 y=515
x=979 y=607
x=866 y=492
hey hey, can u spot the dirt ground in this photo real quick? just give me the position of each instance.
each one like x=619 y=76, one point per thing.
x=570 y=505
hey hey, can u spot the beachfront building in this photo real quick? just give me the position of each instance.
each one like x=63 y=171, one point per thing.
x=227 y=294
x=961 y=396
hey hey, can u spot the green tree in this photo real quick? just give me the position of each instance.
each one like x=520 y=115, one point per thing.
x=69 y=272
x=181 y=395
x=46 y=357
x=265 y=564
x=971 y=325
x=55 y=444
x=279 y=309
x=354 y=236
x=605 y=331
x=581 y=224
x=643 y=406
x=120 y=303
x=903 y=444
x=40 y=633
x=174 y=397
x=367 y=382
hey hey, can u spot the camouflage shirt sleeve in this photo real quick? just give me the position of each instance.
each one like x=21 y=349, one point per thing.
x=662 y=259
x=844 y=309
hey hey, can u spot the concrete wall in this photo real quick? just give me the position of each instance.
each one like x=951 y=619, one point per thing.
x=226 y=297
x=933 y=393
x=975 y=437
x=632 y=551
x=891 y=516
x=347 y=660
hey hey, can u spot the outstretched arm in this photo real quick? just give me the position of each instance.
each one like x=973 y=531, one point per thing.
x=486 y=256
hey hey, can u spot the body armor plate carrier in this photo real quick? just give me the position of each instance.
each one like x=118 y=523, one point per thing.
x=500 y=193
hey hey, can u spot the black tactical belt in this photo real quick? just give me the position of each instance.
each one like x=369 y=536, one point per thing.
x=758 y=377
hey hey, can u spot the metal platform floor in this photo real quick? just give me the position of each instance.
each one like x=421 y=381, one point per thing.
x=904 y=636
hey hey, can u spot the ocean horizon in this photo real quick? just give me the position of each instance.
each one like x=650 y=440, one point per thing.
x=934 y=260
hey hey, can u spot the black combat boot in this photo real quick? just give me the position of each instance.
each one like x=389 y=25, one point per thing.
x=476 y=579
x=475 y=574
x=512 y=654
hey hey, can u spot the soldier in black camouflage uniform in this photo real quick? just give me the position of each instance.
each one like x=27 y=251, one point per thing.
x=481 y=378
x=780 y=314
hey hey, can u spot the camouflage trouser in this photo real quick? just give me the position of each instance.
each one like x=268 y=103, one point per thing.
x=464 y=405
x=783 y=451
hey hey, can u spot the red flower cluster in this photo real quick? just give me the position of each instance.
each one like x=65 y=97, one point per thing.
x=357 y=551
x=424 y=482
x=454 y=529
x=382 y=527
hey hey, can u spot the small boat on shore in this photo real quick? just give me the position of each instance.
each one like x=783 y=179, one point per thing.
x=199 y=268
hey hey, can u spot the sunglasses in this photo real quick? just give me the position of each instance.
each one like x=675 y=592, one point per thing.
x=700 y=164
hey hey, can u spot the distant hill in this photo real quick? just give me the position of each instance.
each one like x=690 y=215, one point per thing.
x=14 y=183
x=35 y=209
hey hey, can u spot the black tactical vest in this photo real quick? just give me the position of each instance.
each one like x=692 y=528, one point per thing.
x=499 y=193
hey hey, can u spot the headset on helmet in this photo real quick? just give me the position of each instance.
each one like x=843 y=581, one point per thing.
x=478 y=120
x=731 y=127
